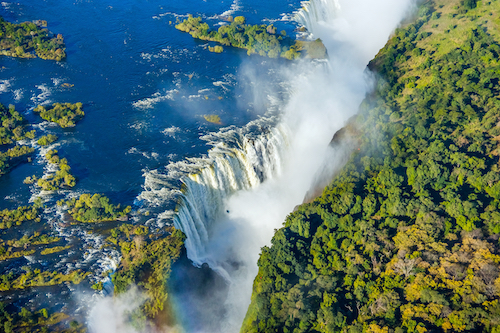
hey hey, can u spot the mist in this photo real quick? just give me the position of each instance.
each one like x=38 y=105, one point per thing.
x=114 y=314
x=324 y=95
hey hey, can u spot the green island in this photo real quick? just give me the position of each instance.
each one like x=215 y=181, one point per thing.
x=29 y=40
x=406 y=237
x=63 y=114
x=216 y=49
x=47 y=139
x=13 y=125
x=212 y=118
x=16 y=217
x=13 y=156
x=35 y=239
x=256 y=39
x=36 y=321
x=62 y=178
x=6 y=254
x=13 y=129
x=94 y=208
x=147 y=263
x=54 y=249
x=38 y=278
x=7 y=247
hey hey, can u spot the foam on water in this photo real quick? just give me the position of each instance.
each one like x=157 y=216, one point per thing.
x=43 y=97
x=18 y=94
x=171 y=131
x=57 y=81
x=159 y=16
x=157 y=97
x=235 y=6
x=317 y=13
x=147 y=155
x=4 y=86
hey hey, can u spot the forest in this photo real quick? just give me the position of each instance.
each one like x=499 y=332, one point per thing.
x=60 y=178
x=94 y=208
x=13 y=129
x=406 y=237
x=64 y=114
x=256 y=39
x=29 y=40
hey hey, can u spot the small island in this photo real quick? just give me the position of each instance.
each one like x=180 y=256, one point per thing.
x=256 y=39
x=47 y=139
x=64 y=114
x=212 y=118
x=16 y=217
x=29 y=40
x=94 y=208
x=62 y=178
x=13 y=129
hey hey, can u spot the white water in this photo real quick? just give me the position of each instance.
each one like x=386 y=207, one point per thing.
x=232 y=200
x=317 y=13
x=240 y=159
x=206 y=193
x=353 y=31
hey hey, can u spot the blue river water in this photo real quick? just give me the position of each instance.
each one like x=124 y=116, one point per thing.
x=137 y=77
x=145 y=87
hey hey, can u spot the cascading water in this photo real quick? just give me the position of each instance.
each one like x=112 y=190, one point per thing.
x=316 y=13
x=241 y=158
x=240 y=167
x=232 y=201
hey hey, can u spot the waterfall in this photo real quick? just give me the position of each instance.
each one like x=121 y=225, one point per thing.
x=192 y=193
x=230 y=202
x=246 y=164
x=315 y=13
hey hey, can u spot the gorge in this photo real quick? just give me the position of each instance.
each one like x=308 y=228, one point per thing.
x=225 y=192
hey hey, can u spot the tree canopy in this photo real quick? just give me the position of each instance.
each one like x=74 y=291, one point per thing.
x=406 y=237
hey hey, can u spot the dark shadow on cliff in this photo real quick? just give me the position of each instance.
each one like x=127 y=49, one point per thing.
x=198 y=295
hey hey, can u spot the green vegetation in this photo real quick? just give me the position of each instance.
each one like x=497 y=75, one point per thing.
x=216 y=49
x=54 y=249
x=256 y=39
x=47 y=139
x=64 y=114
x=35 y=321
x=12 y=129
x=39 y=278
x=9 y=218
x=406 y=237
x=212 y=118
x=95 y=208
x=35 y=239
x=13 y=157
x=147 y=263
x=60 y=179
x=6 y=247
x=9 y=254
x=28 y=40
x=13 y=126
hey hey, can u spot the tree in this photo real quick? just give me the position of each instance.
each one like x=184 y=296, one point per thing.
x=239 y=20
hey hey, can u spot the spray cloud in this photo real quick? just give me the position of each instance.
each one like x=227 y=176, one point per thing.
x=324 y=96
x=229 y=230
